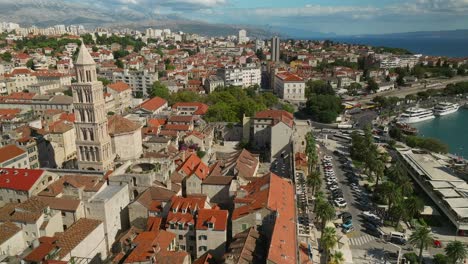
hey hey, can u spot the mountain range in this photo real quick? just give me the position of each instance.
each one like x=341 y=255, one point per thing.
x=101 y=13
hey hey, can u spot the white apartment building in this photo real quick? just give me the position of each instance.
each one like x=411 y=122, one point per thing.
x=139 y=81
x=289 y=86
x=245 y=76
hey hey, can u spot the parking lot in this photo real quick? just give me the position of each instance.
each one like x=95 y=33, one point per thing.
x=356 y=216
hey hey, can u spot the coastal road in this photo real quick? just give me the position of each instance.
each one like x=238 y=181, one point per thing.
x=401 y=93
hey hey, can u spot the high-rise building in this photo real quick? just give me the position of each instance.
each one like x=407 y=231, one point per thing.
x=242 y=36
x=275 y=49
x=93 y=143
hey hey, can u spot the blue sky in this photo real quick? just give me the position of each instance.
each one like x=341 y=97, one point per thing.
x=338 y=16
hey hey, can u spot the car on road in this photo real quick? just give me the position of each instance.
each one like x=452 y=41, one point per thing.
x=370 y=215
x=327 y=158
x=347 y=224
x=345 y=216
x=348 y=230
x=340 y=204
x=334 y=187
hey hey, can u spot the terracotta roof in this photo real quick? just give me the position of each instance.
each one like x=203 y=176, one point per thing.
x=194 y=165
x=9 y=152
x=181 y=119
x=177 y=127
x=28 y=211
x=195 y=134
x=155 y=122
x=289 y=77
x=62 y=204
x=119 y=86
x=201 y=107
x=39 y=254
x=147 y=242
x=277 y=116
x=245 y=248
x=152 y=194
x=19 y=179
x=153 y=104
x=215 y=216
x=60 y=126
x=75 y=234
x=218 y=180
x=86 y=183
x=153 y=223
x=190 y=203
x=8 y=114
x=206 y=258
x=8 y=230
x=121 y=125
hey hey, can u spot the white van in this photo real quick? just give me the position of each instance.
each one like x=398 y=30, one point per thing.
x=397 y=236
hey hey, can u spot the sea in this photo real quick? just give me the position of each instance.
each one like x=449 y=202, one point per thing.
x=451 y=129
x=449 y=47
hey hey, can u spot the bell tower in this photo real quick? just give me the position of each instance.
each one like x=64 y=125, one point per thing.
x=93 y=142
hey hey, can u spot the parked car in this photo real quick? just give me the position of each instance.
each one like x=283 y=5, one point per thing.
x=348 y=230
x=341 y=204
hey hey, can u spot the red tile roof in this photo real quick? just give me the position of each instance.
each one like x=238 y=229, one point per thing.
x=8 y=114
x=120 y=125
x=277 y=115
x=9 y=152
x=201 y=107
x=19 y=179
x=215 y=216
x=190 y=203
x=118 y=86
x=153 y=104
x=155 y=122
x=194 y=165
x=177 y=127
x=289 y=77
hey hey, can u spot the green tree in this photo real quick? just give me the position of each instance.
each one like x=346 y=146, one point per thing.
x=440 y=259
x=372 y=85
x=287 y=107
x=159 y=90
x=324 y=212
x=95 y=49
x=314 y=181
x=119 y=64
x=30 y=64
x=456 y=251
x=328 y=241
x=421 y=238
x=104 y=81
x=337 y=258
x=413 y=206
x=6 y=56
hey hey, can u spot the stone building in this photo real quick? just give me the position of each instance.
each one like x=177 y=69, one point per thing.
x=94 y=148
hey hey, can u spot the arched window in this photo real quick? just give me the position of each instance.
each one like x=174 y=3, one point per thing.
x=91 y=134
x=84 y=134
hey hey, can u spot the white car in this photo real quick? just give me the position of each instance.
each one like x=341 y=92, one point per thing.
x=368 y=214
x=328 y=164
x=327 y=158
x=340 y=203
x=334 y=187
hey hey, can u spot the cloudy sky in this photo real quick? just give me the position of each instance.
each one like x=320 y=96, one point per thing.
x=338 y=16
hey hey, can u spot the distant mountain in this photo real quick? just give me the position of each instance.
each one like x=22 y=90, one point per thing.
x=450 y=34
x=53 y=12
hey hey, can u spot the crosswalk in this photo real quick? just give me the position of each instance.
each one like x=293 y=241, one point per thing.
x=358 y=241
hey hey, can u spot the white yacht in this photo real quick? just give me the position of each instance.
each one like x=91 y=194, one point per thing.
x=414 y=115
x=445 y=108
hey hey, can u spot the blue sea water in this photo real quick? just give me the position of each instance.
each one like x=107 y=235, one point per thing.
x=451 y=129
x=428 y=46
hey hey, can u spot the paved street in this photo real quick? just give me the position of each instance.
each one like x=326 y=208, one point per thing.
x=365 y=247
x=436 y=84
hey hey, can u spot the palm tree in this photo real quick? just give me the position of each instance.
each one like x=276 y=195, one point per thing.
x=325 y=212
x=379 y=170
x=413 y=206
x=328 y=241
x=389 y=193
x=397 y=211
x=319 y=198
x=406 y=187
x=421 y=238
x=314 y=181
x=456 y=251
x=337 y=258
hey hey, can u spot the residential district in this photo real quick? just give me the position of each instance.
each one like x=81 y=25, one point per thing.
x=120 y=146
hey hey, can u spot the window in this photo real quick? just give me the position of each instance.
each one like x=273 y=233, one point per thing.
x=182 y=247
x=202 y=248
x=244 y=226
x=181 y=226
x=64 y=214
x=210 y=225
x=192 y=238
x=172 y=226
x=181 y=237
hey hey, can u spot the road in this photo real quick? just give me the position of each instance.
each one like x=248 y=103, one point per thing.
x=365 y=247
x=440 y=84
